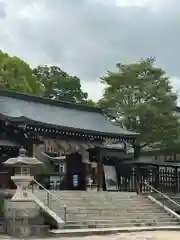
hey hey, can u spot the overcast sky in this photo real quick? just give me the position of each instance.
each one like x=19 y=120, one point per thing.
x=87 y=37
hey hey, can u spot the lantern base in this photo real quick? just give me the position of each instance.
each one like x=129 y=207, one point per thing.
x=23 y=219
x=22 y=183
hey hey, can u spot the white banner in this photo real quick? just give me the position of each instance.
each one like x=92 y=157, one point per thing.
x=110 y=178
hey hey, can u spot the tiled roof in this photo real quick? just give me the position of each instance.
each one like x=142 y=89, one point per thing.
x=7 y=141
x=60 y=114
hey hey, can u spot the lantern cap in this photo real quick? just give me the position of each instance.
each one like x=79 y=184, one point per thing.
x=22 y=152
x=22 y=159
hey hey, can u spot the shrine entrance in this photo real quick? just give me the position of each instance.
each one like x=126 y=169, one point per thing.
x=132 y=177
x=164 y=177
x=126 y=178
x=76 y=172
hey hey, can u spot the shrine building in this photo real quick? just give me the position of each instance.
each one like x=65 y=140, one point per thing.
x=80 y=147
x=75 y=141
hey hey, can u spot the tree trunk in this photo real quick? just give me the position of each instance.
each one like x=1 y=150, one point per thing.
x=137 y=151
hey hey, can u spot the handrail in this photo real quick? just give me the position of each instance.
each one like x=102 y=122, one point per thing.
x=162 y=194
x=51 y=194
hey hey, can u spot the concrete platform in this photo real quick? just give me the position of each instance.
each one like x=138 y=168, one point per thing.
x=156 y=233
x=109 y=231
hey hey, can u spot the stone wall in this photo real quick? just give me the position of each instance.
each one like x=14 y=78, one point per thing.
x=23 y=219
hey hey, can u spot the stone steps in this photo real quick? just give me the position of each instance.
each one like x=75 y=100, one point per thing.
x=91 y=197
x=118 y=211
x=113 y=218
x=105 y=206
x=105 y=212
x=117 y=225
x=121 y=220
x=100 y=202
x=86 y=195
x=108 y=210
x=168 y=203
x=89 y=193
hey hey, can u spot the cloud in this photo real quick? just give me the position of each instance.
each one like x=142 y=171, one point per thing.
x=87 y=37
x=95 y=89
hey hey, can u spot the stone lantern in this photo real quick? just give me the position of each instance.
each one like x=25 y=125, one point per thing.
x=22 y=213
x=22 y=178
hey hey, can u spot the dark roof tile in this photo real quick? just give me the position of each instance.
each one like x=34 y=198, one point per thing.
x=51 y=112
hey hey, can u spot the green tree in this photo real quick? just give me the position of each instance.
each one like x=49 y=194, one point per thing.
x=140 y=97
x=60 y=85
x=90 y=102
x=16 y=75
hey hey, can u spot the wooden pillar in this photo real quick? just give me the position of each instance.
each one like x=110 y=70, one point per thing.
x=138 y=177
x=85 y=160
x=99 y=170
x=157 y=183
x=137 y=150
x=94 y=173
x=28 y=145
x=176 y=180
x=86 y=175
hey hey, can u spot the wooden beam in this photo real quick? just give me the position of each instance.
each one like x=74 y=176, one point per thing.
x=99 y=170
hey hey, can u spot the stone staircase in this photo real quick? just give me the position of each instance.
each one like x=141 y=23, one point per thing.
x=173 y=196
x=107 y=209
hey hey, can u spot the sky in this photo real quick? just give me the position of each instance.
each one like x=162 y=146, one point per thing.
x=88 y=37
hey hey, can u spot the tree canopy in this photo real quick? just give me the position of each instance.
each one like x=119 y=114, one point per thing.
x=140 y=97
x=60 y=85
x=16 y=75
x=48 y=81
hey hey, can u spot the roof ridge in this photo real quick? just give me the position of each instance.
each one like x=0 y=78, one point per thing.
x=47 y=101
x=178 y=108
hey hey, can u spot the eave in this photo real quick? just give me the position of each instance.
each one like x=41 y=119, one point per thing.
x=56 y=129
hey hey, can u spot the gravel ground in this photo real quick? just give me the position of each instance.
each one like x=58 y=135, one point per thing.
x=158 y=235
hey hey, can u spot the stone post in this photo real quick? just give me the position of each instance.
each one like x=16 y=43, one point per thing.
x=85 y=160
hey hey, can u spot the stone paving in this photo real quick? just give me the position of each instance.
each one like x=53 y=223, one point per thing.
x=150 y=235
x=146 y=235
x=156 y=235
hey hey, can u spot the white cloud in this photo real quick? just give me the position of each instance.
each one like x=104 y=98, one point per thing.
x=132 y=3
x=87 y=37
x=176 y=87
x=94 y=89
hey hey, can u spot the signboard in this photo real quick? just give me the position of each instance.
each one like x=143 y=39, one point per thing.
x=110 y=178
x=75 y=180
x=55 y=182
